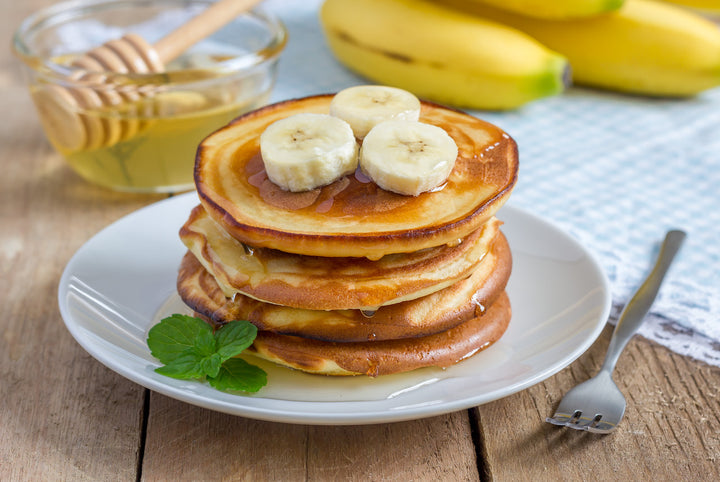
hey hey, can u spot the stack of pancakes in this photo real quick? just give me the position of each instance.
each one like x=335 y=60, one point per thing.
x=349 y=278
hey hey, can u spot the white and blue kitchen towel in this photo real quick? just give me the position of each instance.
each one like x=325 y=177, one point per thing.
x=613 y=171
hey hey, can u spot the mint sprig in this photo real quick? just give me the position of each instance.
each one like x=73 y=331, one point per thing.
x=189 y=349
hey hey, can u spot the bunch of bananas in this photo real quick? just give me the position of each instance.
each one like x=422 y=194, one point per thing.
x=501 y=54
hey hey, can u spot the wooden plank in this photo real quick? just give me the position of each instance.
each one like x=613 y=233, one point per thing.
x=185 y=442
x=438 y=448
x=671 y=428
x=63 y=416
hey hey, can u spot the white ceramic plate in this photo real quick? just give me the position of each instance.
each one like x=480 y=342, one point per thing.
x=122 y=281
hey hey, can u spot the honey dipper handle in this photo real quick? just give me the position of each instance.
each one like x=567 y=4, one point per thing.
x=211 y=19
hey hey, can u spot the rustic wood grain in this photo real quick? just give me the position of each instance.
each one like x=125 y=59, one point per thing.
x=213 y=446
x=671 y=428
x=437 y=448
x=185 y=442
x=63 y=416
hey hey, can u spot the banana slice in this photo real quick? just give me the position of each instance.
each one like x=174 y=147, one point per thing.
x=407 y=157
x=305 y=151
x=365 y=106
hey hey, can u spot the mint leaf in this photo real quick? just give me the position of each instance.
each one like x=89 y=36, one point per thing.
x=210 y=365
x=189 y=349
x=239 y=375
x=205 y=343
x=234 y=337
x=186 y=346
x=174 y=335
x=187 y=365
x=192 y=364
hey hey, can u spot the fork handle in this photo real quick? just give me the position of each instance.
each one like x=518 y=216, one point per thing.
x=634 y=312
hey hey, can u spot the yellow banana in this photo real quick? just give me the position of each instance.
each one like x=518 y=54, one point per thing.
x=556 y=9
x=712 y=6
x=441 y=54
x=645 y=47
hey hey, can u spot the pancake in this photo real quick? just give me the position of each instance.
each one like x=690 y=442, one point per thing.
x=431 y=314
x=376 y=358
x=352 y=217
x=321 y=283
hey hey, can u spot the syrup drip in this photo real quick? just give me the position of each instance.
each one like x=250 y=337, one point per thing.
x=257 y=179
x=325 y=206
x=373 y=369
x=479 y=307
x=439 y=187
x=455 y=243
x=361 y=177
x=249 y=250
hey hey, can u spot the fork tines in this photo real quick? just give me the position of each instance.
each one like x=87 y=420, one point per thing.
x=578 y=422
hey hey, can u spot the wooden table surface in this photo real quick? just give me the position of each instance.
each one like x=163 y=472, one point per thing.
x=64 y=416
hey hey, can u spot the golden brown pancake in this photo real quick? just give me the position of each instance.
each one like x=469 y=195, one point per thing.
x=431 y=314
x=375 y=358
x=352 y=217
x=321 y=283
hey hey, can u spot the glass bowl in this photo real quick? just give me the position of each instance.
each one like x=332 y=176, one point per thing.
x=140 y=131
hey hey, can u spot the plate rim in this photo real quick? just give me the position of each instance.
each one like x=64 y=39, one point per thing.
x=298 y=412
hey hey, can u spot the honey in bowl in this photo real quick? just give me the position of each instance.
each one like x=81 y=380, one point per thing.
x=146 y=144
x=161 y=156
x=119 y=92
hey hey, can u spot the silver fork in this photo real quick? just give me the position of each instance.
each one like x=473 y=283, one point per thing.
x=597 y=405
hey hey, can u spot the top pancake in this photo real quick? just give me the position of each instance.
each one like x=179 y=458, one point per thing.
x=352 y=217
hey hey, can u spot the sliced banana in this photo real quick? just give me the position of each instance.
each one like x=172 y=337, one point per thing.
x=365 y=106
x=305 y=151
x=408 y=157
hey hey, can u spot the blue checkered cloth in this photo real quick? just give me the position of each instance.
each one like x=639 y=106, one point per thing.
x=613 y=171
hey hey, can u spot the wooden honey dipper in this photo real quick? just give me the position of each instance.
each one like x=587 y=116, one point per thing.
x=60 y=107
